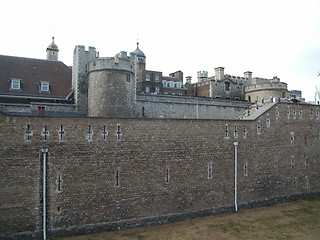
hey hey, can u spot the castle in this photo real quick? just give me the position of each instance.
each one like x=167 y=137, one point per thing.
x=73 y=174
x=121 y=86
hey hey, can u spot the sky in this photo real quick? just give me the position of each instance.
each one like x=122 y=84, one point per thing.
x=267 y=37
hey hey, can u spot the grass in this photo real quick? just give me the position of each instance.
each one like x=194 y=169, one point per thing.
x=293 y=220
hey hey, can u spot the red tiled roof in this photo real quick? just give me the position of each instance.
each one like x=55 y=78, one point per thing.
x=32 y=72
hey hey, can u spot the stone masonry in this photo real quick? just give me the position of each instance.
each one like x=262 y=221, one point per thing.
x=106 y=174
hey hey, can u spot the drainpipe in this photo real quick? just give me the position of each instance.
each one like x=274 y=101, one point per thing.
x=235 y=174
x=44 y=204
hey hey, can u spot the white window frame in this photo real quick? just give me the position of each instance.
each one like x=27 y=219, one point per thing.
x=43 y=88
x=164 y=83
x=147 y=77
x=147 y=89
x=15 y=84
x=157 y=90
x=157 y=78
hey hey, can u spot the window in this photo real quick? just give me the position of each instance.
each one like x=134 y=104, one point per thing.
x=171 y=84
x=15 y=84
x=275 y=163
x=235 y=131
x=300 y=113
x=244 y=132
x=258 y=127
x=288 y=112
x=167 y=175
x=178 y=84
x=245 y=168
x=292 y=139
x=277 y=113
x=268 y=120
x=157 y=90
x=227 y=86
x=294 y=113
x=292 y=161
x=210 y=170
x=147 y=77
x=157 y=78
x=227 y=132
x=164 y=83
x=128 y=77
x=44 y=87
x=147 y=89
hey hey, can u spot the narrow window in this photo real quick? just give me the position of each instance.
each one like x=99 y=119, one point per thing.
x=119 y=133
x=117 y=178
x=28 y=133
x=294 y=113
x=277 y=113
x=157 y=78
x=258 y=127
x=147 y=77
x=104 y=133
x=292 y=161
x=288 y=112
x=245 y=168
x=311 y=113
x=142 y=111
x=59 y=183
x=61 y=134
x=306 y=161
x=167 y=175
x=210 y=170
x=235 y=131
x=89 y=133
x=306 y=179
x=317 y=113
x=294 y=183
x=128 y=77
x=292 y=139
x=227 y=132
x=244 y=132
x=300 y=113
x=268 y=121
x=276 y=163
x=45 y=133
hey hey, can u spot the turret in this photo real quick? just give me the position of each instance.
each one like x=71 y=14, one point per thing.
x=52 y=51
x=248 y=76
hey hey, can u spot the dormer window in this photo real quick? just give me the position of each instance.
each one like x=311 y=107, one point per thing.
x=44 y=87
x=15 y=84
x=164 y=83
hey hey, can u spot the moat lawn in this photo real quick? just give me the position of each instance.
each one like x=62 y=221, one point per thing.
x=293 y=220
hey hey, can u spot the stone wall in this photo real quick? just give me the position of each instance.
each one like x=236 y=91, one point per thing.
x=106 y=174
x=165 y=106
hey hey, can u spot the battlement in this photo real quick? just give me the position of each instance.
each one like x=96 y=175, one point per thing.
x=120 y=61
x=202 y=74
x=265 y=86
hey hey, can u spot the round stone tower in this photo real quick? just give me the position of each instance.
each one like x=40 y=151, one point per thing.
x=111 y=87
x=52 y=51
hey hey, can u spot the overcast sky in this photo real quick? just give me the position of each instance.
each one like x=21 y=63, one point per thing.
x=268 y=37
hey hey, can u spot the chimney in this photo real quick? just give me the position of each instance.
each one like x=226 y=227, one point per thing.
x=188 y=79
x=219 y=73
